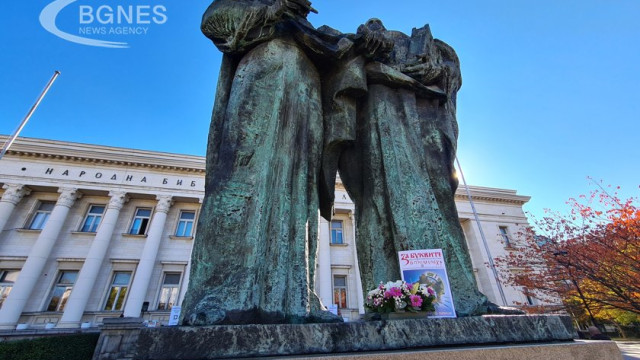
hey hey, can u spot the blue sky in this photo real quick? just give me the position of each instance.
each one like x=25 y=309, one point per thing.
x=550 y=90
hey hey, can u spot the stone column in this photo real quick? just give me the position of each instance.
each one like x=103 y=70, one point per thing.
x=148 y=258
x=487 y=283
x=83 y=287
x=187 y=272
x=323 y=275
x=356 y=265
x=185 y=282
x=12 y=195
x=32 y=270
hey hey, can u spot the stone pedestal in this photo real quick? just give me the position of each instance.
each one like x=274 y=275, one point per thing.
x=375 y=337
x=118 y=338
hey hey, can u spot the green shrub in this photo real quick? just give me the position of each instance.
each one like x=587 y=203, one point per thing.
x=70 y=347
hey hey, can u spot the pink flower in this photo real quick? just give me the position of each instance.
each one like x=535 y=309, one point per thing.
x=431 y=292
x=395 y=292
x=387 y=294
x=416 y=300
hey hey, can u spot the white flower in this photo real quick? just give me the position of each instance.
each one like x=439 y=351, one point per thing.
x=389 y=285
x=399 y=303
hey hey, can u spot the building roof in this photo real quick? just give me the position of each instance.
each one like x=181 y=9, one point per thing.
x=100 y=154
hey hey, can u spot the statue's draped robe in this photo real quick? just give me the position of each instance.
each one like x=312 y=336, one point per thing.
x=254 y=252
x=400 y=172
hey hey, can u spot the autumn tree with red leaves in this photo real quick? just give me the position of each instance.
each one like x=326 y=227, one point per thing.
x=589 y=259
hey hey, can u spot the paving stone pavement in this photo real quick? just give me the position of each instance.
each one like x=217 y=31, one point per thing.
x=630 y=349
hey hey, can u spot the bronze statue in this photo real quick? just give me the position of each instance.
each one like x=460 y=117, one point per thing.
x=294 y=104
x=400 y=170
x=254 y=255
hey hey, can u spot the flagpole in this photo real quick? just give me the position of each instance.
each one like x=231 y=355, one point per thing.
x=13 y=137
x=484 y=239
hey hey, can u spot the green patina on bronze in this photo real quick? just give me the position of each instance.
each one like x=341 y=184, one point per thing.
x=400 y=170
x=294 y=105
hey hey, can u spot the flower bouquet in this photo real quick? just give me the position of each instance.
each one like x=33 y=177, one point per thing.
x=400 y=296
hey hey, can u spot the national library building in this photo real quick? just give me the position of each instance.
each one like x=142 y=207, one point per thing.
x=91 y=232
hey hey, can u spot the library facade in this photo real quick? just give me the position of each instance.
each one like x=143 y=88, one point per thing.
x=91 y=232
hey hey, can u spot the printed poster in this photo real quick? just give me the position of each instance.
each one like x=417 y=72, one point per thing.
x=428 y=267
x=175 y=315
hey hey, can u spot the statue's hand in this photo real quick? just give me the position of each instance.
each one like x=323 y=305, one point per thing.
x=375 y=44
x=373 y=41
x=291 y=8
x=423 y=69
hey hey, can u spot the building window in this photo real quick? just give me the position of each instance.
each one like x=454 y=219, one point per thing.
x=530 y=299
x=185 y=223
x=336 y=232
x=505 y=236
x=118 y=291
x=7 y=279
x=62 y=290
x=140 y=221
x=39 y=219
x=340 y=291
x=93 y=218
x=169 y=291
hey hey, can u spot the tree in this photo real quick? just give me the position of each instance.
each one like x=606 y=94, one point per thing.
x=589 y=258
x=624 y=321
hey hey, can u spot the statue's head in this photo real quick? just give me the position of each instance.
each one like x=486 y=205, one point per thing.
x=375 y=25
